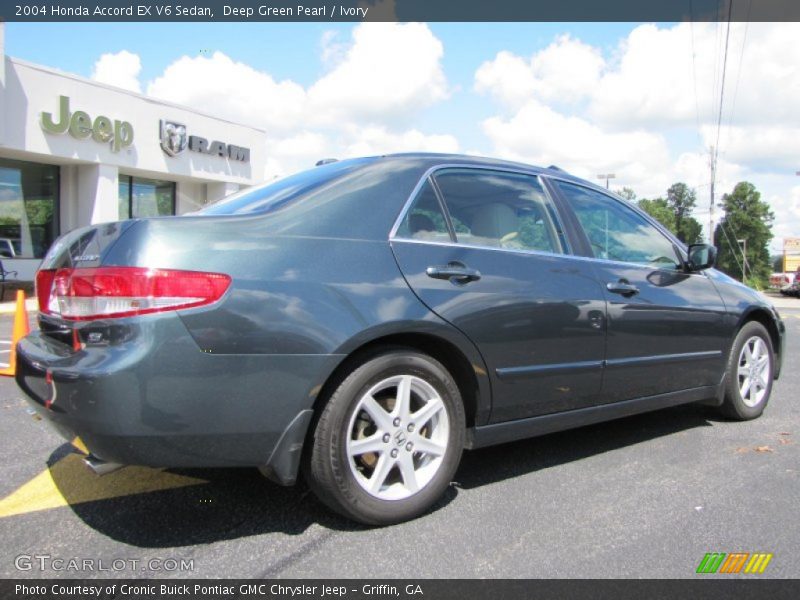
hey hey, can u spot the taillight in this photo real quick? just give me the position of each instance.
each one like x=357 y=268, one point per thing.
x=44 y=285
x=112 y=292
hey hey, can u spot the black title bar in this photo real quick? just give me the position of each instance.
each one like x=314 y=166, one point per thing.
x=399 y=10
x=425 y=589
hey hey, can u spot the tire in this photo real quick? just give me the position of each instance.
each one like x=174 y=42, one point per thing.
x=751 y=356
x=365 y=459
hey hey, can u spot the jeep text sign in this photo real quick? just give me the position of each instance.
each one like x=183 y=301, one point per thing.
x=80 y=126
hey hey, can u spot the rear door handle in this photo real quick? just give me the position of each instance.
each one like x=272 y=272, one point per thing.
x=622 y=287
x=455 y=272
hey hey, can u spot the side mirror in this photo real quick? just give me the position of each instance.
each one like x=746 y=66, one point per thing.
x=701 y=256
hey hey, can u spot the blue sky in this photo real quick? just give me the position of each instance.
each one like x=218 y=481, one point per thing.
x=291 y=50
x=640 y=100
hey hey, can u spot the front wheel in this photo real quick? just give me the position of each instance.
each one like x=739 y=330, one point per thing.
x=750 y=372
x=389 y=440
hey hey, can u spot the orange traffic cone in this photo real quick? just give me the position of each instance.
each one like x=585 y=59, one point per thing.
x=21 y=329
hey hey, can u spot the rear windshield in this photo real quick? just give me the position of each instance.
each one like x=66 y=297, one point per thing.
x=358 y=199
x=277 y=195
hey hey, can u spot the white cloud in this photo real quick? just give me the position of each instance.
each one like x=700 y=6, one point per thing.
x=540 y=135
x=635 y=110
x=762 y=147
x=389 y=72
x=376 y=82
x=787 y=216
x=219 y=85
x=121 y=69
x=379 y=140
x=565 y=71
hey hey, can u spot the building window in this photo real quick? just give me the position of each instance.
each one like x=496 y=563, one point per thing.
x=140 y=197
x=28 y=208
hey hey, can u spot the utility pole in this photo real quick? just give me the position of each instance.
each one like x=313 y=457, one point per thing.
x=607 y=176
x=743 y=244
x=712 y=163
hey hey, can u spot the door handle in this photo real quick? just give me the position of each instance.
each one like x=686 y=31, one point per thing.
x=622 y=287
x=455 y=272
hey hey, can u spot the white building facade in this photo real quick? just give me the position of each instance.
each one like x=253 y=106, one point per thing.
x=75 y=152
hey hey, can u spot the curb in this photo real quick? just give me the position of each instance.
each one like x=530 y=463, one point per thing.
x=6 y=308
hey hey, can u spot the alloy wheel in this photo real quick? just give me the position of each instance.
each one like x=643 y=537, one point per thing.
x=754 y=372
x=397 y=437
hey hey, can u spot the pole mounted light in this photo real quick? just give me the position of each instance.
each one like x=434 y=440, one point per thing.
x=608 y=176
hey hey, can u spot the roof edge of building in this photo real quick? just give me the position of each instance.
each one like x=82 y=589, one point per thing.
x=113 y=88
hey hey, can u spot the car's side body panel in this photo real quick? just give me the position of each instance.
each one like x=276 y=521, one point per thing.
x=232 y=384
x=220 y=385
x=538 y=320
x=671 y=335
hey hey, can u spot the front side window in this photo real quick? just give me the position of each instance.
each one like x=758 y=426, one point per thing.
x=500 y=209
x=617 y=232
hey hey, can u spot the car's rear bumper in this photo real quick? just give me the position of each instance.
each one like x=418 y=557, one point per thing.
x=156 y=399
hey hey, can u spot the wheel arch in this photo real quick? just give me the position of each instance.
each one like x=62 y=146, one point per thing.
x=762 y=315
x=464 y=364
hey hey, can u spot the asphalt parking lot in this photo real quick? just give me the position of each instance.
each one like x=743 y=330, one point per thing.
x=647 y=496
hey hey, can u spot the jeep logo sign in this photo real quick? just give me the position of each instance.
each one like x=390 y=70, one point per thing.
x=80 y=126
x=174 y=140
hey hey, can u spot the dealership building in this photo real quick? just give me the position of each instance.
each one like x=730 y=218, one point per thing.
x=75 y=152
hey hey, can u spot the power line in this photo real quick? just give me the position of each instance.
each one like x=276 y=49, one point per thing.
x=714 y=154
x=694 y=72
x=722 y=84
x=739 y=69
x=722 y=225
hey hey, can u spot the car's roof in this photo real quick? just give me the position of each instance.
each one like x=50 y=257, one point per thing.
x=434 y=159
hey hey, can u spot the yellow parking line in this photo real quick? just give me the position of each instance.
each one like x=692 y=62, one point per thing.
x=70 y=482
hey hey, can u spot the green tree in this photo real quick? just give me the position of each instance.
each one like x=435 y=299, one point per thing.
x=747 y=217
x=691 y=231
x=683 y=200
x=674 y=212
x=627 y=193
x=660 y=210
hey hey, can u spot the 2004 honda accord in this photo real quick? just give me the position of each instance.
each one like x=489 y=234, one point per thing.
x=365 y=321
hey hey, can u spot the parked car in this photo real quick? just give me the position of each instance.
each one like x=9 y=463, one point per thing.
x=365 y=321
x=10 y=248
x=792 y=289
x=778 y=281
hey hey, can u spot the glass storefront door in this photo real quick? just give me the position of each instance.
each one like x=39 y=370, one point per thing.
x=140 y=197
x=28 y=208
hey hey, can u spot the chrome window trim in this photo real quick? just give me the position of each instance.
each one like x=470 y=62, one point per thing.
x=682 y=247
x=477 y=247
x=545 y=253
x=568 y=253
x=429 y=173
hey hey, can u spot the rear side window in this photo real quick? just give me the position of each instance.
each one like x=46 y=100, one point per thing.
x=500 y=210
x=617 y=232
x=424 y=219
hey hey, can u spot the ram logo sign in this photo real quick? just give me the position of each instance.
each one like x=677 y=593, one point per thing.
x=175 y=139
x=735 y=562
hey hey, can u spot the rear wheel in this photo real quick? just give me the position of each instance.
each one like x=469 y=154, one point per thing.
x=389 y=439
x=750 y=372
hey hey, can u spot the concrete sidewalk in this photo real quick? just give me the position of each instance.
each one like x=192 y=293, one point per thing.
x=9 y=307
x=779 y=301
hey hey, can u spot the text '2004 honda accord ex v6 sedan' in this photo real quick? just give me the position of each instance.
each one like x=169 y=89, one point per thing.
x=363 y=322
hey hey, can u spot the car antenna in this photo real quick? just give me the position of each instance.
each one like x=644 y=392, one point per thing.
x=326 y=161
